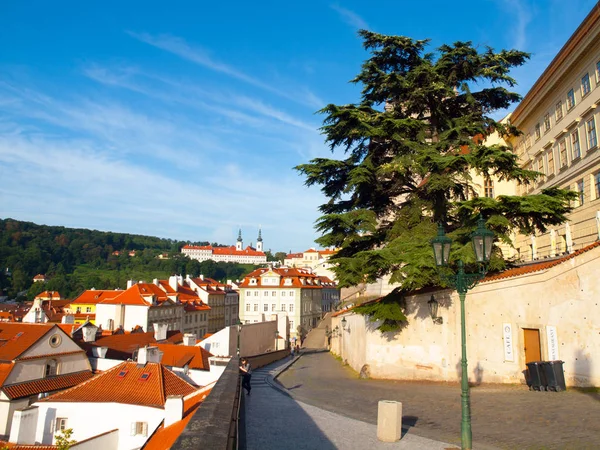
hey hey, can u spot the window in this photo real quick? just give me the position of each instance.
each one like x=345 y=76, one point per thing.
x=575 y=149
x=265 y=307
x=570 y=99
x=282 y=307
x=256 y=293
x=256 y=307
x=88 y=309
x=541 y=165
x=273 y=294
x=139 y=428
x=590 y=126
x=55 y=340
x=585 y=85
x=266 y=293
x=580 y=192
x=551 y=162
x=283 y=293
x=291 y=324
x=247 y=307
x=60 y=424
x=546 y=123
x=528 y=141
x=559 y=111
x=488 y=187
x=273 y=307
x=291 y=293
x=78 y=310
x=562 y=153
x=144 y=376
x=538 y=131
x=291 y=307
x=597 y=184
x=248 y=293
x=51 y=368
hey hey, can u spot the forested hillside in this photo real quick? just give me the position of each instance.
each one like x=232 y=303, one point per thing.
x=78 y=259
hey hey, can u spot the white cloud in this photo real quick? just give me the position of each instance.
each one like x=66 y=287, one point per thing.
x=350 y=17
x=180 y=47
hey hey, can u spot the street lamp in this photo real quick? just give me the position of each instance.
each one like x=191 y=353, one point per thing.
x=276 y=339
x=482 y=240
x=433 y=309
x=239 y=330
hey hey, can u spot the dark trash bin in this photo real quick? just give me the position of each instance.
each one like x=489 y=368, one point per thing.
x=555 y=375
x=537 y=376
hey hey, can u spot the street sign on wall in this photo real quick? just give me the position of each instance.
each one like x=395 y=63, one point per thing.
x=552 y=343
x=508 y=342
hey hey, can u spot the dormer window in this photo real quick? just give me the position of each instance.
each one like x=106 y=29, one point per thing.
x=144 y=376
x=253 y=281
x=51 y=368
x=122 y=373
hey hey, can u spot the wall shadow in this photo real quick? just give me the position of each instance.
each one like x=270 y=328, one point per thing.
x=583 y=372
x=407 y=423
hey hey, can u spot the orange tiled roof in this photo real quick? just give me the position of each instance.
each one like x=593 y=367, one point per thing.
x=95 y=296
x=122 y=346
x=49 y=384
x=126 y=384
x=138 y=294
x=5 y=369
x=531 y=268
x=44 y=356
x=39 y=276
x=180 y=355
x=231 y=250
x=16 y=338
x=68 y=327
x=49 y=295
x=294 y=256
x=12 y=446
x=295 y=274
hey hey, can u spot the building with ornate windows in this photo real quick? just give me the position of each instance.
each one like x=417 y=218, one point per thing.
x=236 y=254
x=559 y=120
x=295 y=292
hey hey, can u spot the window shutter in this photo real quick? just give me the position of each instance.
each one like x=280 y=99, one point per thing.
x=145 y=428
x=133 y=428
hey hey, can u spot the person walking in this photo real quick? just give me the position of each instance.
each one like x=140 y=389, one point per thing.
x=292 y=352
x=246 y=371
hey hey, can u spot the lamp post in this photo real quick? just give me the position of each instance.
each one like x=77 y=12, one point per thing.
x=239 y=330
x=482 y=240
x=276 y=339
x=344 y=321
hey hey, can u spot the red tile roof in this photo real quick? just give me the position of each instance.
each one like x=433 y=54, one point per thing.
x=231 y=250
x=49 y=295
x=122 y=346
x=180 y=355
x=95 y=296
x=49 y=384
x=138 y=294
x=11 y=446
x=125 y=384
x=531 y=268
x=296 y=275
x=16 y=338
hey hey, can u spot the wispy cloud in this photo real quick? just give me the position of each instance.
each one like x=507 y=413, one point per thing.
x=350 y=17
x=522 y=15
x=181 y=48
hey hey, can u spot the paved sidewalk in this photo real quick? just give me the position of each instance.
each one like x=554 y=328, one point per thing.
x=275 y=420
x=503 y=416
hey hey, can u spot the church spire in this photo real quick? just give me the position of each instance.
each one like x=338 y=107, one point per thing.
x=239 y=244
x=239 y=235
x=259 y=241
x=259 y=235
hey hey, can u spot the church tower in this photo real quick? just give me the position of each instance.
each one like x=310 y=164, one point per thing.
x=239 y=243
x=259 y=242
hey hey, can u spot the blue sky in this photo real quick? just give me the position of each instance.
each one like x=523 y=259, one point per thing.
x=184 y=120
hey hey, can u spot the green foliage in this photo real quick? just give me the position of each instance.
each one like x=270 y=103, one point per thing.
x=78 y=259
x=387 y=311
x=63 y=439
x=408 y=165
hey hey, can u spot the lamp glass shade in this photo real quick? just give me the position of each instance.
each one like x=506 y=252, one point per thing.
x=433 y=307
x=483 y=240
x=344 y=323
x=441 y=247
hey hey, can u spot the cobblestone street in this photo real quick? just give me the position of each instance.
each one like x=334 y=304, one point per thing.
x=503 y=416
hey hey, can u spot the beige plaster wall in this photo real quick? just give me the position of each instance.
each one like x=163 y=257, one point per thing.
x=565 y=296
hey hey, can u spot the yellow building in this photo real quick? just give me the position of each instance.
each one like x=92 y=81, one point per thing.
x=84 y=306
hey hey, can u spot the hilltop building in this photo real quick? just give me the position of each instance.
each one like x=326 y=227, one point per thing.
x=316 y=260
x=236 y=254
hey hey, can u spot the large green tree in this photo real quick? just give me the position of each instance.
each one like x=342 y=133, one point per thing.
x=410 y=148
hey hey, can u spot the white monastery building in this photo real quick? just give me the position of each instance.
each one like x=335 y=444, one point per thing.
x=235 y=254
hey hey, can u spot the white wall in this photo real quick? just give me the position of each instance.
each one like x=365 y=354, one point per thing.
x=134 y=316
x=35 y=369
x=7 y=410
x=102 y=364
x=199 y=377
x=90 y=419
x=564 y=297
x=105 y=312
x=222 y=343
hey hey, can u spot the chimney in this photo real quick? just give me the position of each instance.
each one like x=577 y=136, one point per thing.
x=149 y=355
x=130 y=283
x=99 y=352
x=202 y=277
x=24 y=425
x=68 y=318
x=189 y=339
x=173 y=409
x=173 y=282
x=228 y=282
x=155 y=281
x=89 y=333
x=160 y=331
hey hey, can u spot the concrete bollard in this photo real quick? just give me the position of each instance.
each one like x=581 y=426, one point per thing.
x=389 y=421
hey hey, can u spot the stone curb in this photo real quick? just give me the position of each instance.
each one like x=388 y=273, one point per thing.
x=272 y=376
